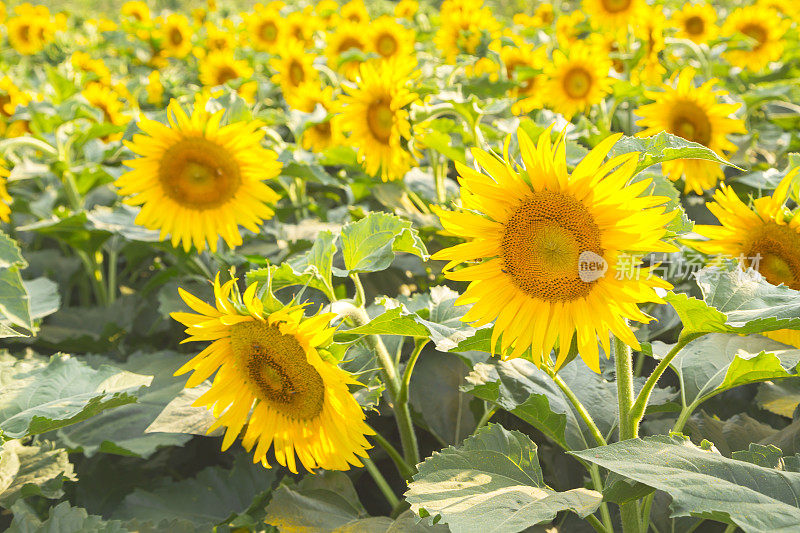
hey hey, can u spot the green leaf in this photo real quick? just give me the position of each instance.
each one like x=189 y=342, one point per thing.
x=719 y=361
x=703 y=483
x=665 y=147
x=737 y=301
x=392 y=322
x=180 y=416
x=10 y=254
x=123 y=430
x=215 y=496
x=369 y=245
x=442 y=143
x=44 y=297
x=40 y=470
x=39 y=397
x=14 y=302
x=492 y=481
x=731 y=435
x=62 y=519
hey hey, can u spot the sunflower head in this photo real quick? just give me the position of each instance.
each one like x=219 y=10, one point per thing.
x=390 y=39
x=271 y=376
x=136 y=10
x=220 y=67
x=697 y=114
x=31 y=29
x=696 y=22
x=613 y=14
x=264 y=27
x=327 y=133
x=176 y=36
x=553 y=255
x=11 y=96
x=198 y=180
x=765 y=32
x=577 y=80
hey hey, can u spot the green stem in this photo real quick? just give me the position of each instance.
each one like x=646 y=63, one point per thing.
x=360 y=298
x=439 y=177
x=112 y=275
x=380 y=481
x=419 y=344
x=647 y=503
x=576 y=403
x=686 y=413
x=597 y=525
x=406 y=471
x=597 y=482
x=486 y=416
x=731 y=528
x=628 y=427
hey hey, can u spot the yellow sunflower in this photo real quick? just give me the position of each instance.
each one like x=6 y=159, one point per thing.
x=354 y=11
x=136 y=10
x=697 y=115
x=320 y=136
x=345 y=37
x=11 y=96
x=465 y=26
x=535 y=229
x=271 y=377
x=176 y=35
x=787 y=8
x=576 y=80
x=374 y=113
x=31 y=29
x=697 y=22
x=391 y=39
x=295 y=73
x=264 y=28
x=327 y=11
x=218 y=39
x=5 y=198
x=766 y=30
x=613 y=14
x=524 y=63
x=84 y=62
x=766 y=238
x=198 y=181
x=107 y=100
x=569 y=28
x=406 y=9
x=218 y=68
x=650 y=32
x=300 y=26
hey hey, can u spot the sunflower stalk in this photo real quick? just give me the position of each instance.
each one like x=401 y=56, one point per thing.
x=628 y=426
x=381 y=482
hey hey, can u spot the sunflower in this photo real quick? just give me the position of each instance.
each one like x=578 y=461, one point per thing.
x=697 y=115
x=271 y=377
x=327 y=133
x=136 y=10
x=787 y=8
x=764 y=28
x=176 y=34
x=390 y=39
x=613 y=14
x=218 y=39
x=466 y=26
x=576 y=80
x=347 y=37
x=569 y=28
x=107 y=100
x=218 y=68
x=650 y=31
x=534 y=228
x=30 y=30
x=523 y=63
x=354 y=11
x=766 y=238
x=264 y=28
x=327 y=11
x=300 y=26
x=84 y=62
x=296 y=75
x=374 y=113
x=197 y=180
x=5 y=198
x=406 y=9
x=697 y=22
x=11 y=96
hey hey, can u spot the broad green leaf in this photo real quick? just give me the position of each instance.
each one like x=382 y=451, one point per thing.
x=720 y=361
x=39 y=397
x=14 y=302
x=737 y=301
x=44 y=297
x=90 y=329
x=369 y=245
x=123 y=430
x=74 y=230
x=215 y=496
x=524 y=390
x=392 y=322
x=492 y=482
x=706 y=484
x=61 y=519
x=665 y=147
x=41 y=470
x=180 y=416
x=10 y=254
x=120 y=221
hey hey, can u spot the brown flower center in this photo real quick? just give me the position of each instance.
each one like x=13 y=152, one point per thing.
x=577 y=82
x=689 y=121
x=695 y=25
x=615 y=6
x=380 y=119
x=775 y=252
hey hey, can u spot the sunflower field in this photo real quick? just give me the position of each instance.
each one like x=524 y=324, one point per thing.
x=400 y=266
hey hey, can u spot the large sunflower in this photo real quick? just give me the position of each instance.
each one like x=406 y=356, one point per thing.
x=270 y=377
x=295 y=73
x=176 y=36
x=5 y=198
x=217 y=68
x=577 y=80
x=354 y=11
x=697 y=115
x=391 y=39
x=766 y=238
x=535 y=228
x=374 y=113
x=196 y=180
x=765 y=28
x=697 y=22
x=613 y=13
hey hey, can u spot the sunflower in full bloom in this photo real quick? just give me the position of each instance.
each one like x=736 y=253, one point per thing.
x=30 y=29
x=108 y=101
x=569 y=27
x=296 y=75
x=523 y=63
x=320 y=136
x=534 y=228
x=218 y=68
x=347 y=37
x=176 y=35
x=577 y=80
x=136 y=10
x=354 y=11
x=765 y=28
x=264 y=27
x=406 y=9
x=650 y=32
x=300 y=26
x=613 y=14
x=466 y=26
x=198 y=181
x=697 y=22
x=271 y=377
x=5 y=198
x=375 y=114
x=11 y=96
x=765 y=237
x=218 y=39
x=787 y=8
x=391 y=39
x=698 y=115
